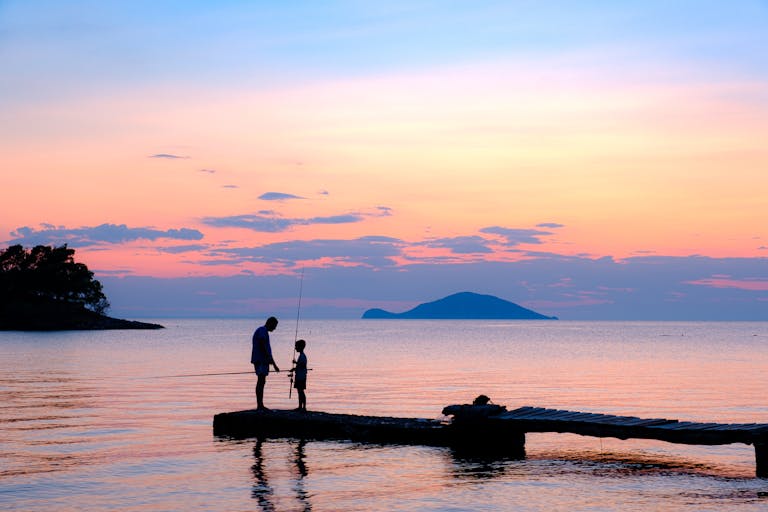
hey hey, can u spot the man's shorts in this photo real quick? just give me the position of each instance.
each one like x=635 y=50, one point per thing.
x=261 y=368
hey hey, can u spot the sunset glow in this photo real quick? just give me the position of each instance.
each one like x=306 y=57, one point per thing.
x=192 y=140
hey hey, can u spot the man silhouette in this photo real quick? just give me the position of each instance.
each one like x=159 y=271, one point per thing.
x=261 y=357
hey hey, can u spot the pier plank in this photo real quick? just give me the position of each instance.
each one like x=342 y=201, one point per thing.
x=564 y=416
x=536 y=414
x=585 y=416
x=639 y=422
x=676 y=425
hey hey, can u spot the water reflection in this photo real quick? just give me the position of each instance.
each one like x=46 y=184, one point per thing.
x=38 y=416
x=77 y=428
x=622 y=465
x=302 y=472
x=465 y=465
x=264 y=493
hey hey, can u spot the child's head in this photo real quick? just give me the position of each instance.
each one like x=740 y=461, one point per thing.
x=300 y=344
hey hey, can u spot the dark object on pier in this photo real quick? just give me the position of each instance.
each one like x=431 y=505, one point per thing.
x=488 y=429
x=481 y=400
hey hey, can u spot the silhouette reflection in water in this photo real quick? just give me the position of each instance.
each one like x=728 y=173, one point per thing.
x=467 y=465
x=262 y=490
x=301 y=472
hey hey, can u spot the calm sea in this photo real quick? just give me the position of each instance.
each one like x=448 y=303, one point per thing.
x=88 y=420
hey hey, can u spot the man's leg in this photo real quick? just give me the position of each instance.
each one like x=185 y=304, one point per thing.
x=260 y=383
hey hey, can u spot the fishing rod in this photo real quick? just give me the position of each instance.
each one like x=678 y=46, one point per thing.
x=296 y=334
x=198 y=375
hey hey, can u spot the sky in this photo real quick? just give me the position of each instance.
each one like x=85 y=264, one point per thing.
x=592 y=160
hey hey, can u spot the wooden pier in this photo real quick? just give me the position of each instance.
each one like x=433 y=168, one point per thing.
x=323 y=425
x=490 y=429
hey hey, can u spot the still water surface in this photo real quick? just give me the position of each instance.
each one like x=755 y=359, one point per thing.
x=87 y=421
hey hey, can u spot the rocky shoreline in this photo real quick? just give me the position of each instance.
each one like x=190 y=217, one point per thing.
x=48 y=317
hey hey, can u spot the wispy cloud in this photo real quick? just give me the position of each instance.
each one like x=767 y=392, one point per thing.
x=278 y=196
x=271 y=222
x=460 y=244
x=104 y=233
x=261 y=223
x=514 y=236
x=755 y=283
x=168 y=156
x=179 y=249
x=373 y=251
x=335 y=219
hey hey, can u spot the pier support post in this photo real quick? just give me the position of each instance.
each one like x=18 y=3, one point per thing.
x=488 y=438
x=512 y=443
x=761 y=458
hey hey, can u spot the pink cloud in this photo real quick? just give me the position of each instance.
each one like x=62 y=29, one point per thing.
x=753 y=284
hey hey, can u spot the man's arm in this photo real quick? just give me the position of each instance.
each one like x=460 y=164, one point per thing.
x=268 y=351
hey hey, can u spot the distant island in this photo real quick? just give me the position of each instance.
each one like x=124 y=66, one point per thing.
x=463 y=306
x=44 y=289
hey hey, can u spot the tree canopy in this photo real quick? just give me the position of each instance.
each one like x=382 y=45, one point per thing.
x=48 y=275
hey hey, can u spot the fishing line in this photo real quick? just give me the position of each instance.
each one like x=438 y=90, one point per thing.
x=196 y=375
x=193 y=375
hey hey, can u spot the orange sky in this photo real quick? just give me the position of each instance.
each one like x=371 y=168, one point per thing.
x=621 y=140
x=673 y=169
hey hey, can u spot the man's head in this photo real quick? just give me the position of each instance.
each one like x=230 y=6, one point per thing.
x=300 y=344
x=271 y=323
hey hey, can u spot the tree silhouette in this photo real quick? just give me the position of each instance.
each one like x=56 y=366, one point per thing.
x=48 y=275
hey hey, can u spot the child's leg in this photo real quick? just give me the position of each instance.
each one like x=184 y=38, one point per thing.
x=302 y=399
